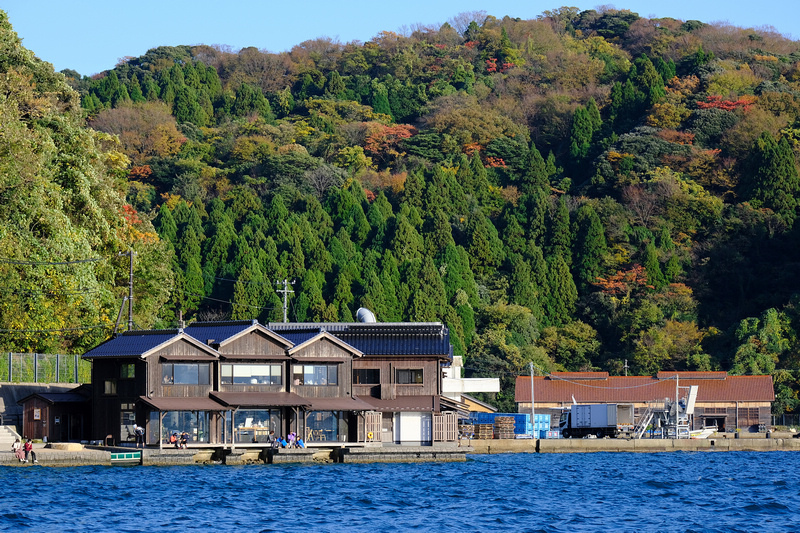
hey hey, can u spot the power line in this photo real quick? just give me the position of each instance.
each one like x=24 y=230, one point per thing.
x=12 y=331
x=240 y=281
x=229 y=302
x=15 y=262
x=50 y=292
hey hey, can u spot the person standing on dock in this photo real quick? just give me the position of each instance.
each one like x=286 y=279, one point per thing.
x=139 y=432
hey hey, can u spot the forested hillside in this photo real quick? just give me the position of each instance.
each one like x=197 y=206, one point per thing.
x=585 y=190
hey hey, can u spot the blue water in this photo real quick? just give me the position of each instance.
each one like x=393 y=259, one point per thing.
x=731 y=491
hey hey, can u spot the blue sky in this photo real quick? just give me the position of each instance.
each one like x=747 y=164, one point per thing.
x=91 y=35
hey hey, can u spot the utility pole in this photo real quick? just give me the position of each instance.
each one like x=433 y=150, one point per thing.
x=130 y=291
x=286 y=290
x=626 y=367
x=533 y=410
x=129 y=298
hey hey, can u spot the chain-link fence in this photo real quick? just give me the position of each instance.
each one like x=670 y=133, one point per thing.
x=44 y=368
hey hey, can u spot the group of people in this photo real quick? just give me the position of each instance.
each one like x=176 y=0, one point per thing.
x=179 y=441
x=23 y=451
x=292 y=440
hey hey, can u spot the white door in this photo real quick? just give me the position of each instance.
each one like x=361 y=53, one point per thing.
x=413 y=429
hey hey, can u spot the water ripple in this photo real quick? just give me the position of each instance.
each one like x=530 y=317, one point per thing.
x=741 y=491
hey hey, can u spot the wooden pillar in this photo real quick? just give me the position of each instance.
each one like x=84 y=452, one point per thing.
x=161 y=430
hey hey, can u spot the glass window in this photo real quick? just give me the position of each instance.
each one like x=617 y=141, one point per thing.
x=186 y=373
x=322 y=426
x=127 y=419
x=409 y=376
x=262 y=374
x=166 y=374
x=194 y=423
x=315 y=374
x=254 y=425
x=366 y=376
x=127 y=371
x=110 y=387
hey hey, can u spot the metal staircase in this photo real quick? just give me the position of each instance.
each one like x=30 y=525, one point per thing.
x=644 y=420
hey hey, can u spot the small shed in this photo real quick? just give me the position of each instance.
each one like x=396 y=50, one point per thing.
x=57 y=416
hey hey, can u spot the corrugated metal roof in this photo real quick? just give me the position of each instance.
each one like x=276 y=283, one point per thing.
x=581 y=375
x=403 y=403
x=57 y=397
x=131 y=343
x=627 y=389
x=339 y=404
x=203 y=403
x=260 y=399
x=692 y=375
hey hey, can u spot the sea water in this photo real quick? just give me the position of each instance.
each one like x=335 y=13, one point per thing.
x=706 y=491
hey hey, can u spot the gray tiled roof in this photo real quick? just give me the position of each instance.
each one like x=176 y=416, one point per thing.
x=131 y=343
x=427 y=338
x=376 y=338
x=219 y=331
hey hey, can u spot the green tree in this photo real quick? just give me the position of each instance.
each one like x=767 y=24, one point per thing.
x=653 y=268
x=562 y=294
x=773 y=181
x=560 y=241
x=590 y=248
x=485 y=249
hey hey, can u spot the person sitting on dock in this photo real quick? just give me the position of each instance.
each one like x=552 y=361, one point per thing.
x=16 y=447
x=173 y=439
x=299 y=442
x=290 y=440
x=28 y=447
x=184 y=439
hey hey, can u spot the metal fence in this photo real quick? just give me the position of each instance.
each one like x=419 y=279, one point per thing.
x=44 y=368
x=789 y=420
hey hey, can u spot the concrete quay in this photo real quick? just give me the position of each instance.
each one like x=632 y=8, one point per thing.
x=73 y=454
x=713 y=444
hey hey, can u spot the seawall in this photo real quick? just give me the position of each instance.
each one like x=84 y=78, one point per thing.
x=79 y=455
x=713 y=444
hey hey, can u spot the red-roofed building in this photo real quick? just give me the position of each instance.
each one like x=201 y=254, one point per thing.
x=729 y=402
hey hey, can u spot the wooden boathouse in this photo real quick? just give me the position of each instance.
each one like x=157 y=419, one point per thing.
x=728 y=402
x=230 y=384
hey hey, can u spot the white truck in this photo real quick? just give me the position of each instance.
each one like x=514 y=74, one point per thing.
x=599 y=420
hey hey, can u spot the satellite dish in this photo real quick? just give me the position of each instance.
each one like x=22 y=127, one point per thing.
x=365 y=315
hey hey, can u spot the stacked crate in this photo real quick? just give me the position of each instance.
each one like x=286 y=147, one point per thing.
x=504 y=427
x=541 y=426
x=484 y=431
x=521 y=422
